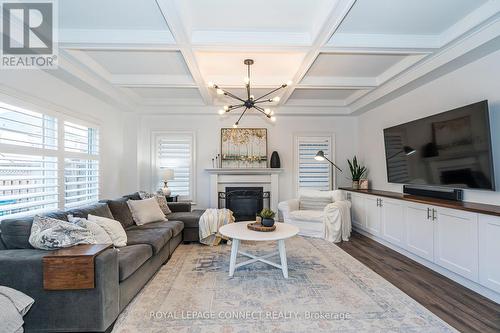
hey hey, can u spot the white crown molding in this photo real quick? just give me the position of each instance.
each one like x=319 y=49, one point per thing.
x=469 y=42
x=109 y=36
x=313 y=82
x=183 y=110
x=249 y=38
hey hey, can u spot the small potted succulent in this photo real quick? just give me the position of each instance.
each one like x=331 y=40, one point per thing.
x=267 y=217
x=357 y=172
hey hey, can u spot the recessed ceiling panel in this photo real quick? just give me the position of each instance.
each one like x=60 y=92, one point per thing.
x=352 y=65
x=187 y=94
x=141 y=62
x=110 y=14
x=269 y=69
x=399 y=17
x=322 y=94
x=255 y=15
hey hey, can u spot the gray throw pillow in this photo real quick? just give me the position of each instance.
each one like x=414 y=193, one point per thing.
x=48 y=234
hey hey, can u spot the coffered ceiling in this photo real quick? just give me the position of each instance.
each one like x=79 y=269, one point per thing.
x=341 y=55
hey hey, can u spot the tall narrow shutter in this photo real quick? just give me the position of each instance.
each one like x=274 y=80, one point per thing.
x=313 y=174
x=28 y=183
x=175 y=151
x=81 y=182
x=26 y=128
x=81 y=139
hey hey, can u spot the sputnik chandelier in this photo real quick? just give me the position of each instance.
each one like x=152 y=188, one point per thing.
x=250 y=102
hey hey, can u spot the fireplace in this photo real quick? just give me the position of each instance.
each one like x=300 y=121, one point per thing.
x=244 y=202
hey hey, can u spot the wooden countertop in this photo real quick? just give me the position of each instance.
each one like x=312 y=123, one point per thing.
x=460 y=205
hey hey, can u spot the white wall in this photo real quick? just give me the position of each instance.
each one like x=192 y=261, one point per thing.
x=36 y=89
x=474 y=82
x=207 y=129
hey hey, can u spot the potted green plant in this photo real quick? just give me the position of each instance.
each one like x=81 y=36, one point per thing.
x=267 y=217
x=357 y=172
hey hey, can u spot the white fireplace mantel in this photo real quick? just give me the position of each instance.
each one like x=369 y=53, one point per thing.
x=268 y=178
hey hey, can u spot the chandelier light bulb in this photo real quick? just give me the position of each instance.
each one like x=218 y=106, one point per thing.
x=252 y=97
x=211 y=84
x=267 y=111
x=221 y=112
x=226 y=107
x=235 y=125
x=273 y=119
x=246 y=80
x=220 y=92
x=272 y=112
x=289 y=82
x=276 y=99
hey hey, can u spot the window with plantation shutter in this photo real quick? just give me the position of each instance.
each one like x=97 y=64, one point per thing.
x=175 y=151
x=46 y=162
x=28 y=183
x=312 y=174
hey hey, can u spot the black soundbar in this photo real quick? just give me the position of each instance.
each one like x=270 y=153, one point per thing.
x=451 y=194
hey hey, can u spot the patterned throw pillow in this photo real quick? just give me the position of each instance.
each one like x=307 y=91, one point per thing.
x=48 y=234
x=101 y=236
x=162 y=201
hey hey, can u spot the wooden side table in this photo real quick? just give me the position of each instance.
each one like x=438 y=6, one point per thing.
x=71 y=268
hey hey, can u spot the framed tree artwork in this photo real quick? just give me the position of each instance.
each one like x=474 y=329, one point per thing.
x=243 y=147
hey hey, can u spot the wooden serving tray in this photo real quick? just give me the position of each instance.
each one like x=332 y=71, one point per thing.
x=256 y=226
x=71 y=268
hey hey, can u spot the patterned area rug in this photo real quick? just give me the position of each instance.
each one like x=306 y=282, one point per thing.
x=327 y=291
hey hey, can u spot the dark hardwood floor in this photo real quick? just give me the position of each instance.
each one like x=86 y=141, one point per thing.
x=460 y=307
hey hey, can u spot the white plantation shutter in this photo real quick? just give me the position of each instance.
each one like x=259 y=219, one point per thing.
x=81 y=182
x=26 y=128
x=46 y=163
x=28 y=183
x=176 y=151
x=312 y=174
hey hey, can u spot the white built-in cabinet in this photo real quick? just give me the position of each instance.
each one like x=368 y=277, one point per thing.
x=462 y=242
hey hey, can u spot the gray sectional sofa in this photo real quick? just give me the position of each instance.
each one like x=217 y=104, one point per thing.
x=119 y=273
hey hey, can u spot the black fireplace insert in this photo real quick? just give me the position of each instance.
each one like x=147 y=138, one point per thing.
x=244 y=202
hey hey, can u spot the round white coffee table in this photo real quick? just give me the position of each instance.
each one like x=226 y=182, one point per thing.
x=238 y=231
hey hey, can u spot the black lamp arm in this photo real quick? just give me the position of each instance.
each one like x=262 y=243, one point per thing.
x=333 y=164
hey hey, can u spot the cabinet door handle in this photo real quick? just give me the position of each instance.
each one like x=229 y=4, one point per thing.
x=378 y=202
x=381 y=203
x=434 y=214
x=428 y=213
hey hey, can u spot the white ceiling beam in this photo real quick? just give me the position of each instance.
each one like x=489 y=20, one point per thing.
x=338 y=81
x=249 y=38
x=118 y=46
x=367 y=41
x=110 y=36
x=333 y=21
x=172 y=17
x=146 y=80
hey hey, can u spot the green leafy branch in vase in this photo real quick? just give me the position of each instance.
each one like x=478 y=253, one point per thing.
x=357 y=171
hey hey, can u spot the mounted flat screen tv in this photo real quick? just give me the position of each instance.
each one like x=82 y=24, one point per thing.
x=449 y=149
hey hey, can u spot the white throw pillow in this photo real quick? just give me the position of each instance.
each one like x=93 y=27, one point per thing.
x=113 y=228
x=146 y=211
x=101 y=236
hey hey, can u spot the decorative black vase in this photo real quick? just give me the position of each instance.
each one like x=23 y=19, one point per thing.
x=267 y=222
x=275 y=160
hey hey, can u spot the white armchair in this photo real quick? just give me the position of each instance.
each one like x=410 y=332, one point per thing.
x=322 y=214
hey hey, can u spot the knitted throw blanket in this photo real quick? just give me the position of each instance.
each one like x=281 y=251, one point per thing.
x=210 y=222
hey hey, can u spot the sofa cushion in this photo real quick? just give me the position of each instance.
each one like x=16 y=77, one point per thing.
x=175 y=226
x=307 y=215
x=190 y=219
x=145 y=211
x=15 y=233
x=131 y=257
x=98 y=209
x=121 y=211
x=156 y=237
x=113 y=228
